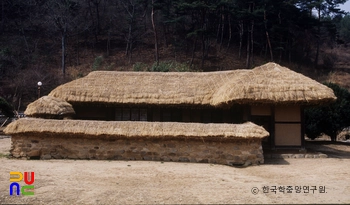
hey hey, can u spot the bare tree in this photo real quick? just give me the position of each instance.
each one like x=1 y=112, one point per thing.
x=156 y=52
x=250 y=38
x=129 y=7
x=267 y=36
x=64 y=15
x=241 y=32
x=94 y=10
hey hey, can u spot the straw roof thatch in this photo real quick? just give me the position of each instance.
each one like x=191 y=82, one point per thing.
x=48 y=106
x=269 y=83
x=135 y=129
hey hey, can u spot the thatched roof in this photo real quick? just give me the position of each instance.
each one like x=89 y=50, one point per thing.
x=269 y=83
x=135 y=129
x=48 y=106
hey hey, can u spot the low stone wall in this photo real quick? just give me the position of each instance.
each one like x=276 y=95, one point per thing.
x=233 y=152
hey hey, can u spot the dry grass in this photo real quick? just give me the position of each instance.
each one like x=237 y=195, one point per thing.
x=132 y=129
x=343 y=56
x=340 y=72
x=341 y=78
x=270 y=83
x=51 y=106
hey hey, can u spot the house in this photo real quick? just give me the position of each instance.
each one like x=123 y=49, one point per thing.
x=212 y=106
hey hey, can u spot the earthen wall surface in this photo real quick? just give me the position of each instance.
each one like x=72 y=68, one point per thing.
x=239 y=152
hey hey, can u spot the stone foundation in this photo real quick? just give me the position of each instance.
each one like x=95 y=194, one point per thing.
x=233 y=152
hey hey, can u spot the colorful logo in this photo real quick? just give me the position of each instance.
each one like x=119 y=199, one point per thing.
x=16 y=177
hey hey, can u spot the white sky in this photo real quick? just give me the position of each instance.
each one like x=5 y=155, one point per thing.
x=346 y=6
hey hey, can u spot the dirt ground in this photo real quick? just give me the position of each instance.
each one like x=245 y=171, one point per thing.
x=144 y=182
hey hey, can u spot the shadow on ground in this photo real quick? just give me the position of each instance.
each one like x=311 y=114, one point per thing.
x=340 y=150
x=313 y=149
x=275 y=162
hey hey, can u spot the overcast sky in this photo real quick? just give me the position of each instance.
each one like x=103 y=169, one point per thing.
x=346 y=6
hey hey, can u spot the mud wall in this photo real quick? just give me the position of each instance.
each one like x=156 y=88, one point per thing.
x=234 y=152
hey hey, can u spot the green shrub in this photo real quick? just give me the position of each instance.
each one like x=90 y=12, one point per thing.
x=329 y=60
x=110 y=67
x=161 y=67
x=6 y=108
x=139 y=67
x=182 y=67
x=330 y=119
x=166 y=66
x=97 y=63
x=80 y=75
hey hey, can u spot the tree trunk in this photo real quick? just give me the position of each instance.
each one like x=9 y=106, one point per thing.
x=78 y=52
x=203 y=52
x=108 y=42
x=268 y=37
x=222 y=29
x=241 y=31
x=218 y=33
x=193 y=51
x=334 y=137
x=289 y=50
x=318 y=37
x=64 y=35
x=247 y=62
x=25 y=41
x=97 y=3
x=129 y=39
x=92 y=19
x=250 y=39
x=2 y=15
x=175 y=42
x=165 y=32
x=230 y=32
x=281 y=38
x=155 y=34
x=252 y=43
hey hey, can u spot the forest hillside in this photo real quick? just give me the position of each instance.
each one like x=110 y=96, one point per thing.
x=57 y=41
